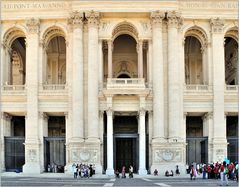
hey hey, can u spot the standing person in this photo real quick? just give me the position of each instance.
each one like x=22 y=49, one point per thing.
x=123 y=172
x=177 y=170
x=131 y=170
x=91 y=170
x=223 y=174
x=74 y=169
x=193 y=173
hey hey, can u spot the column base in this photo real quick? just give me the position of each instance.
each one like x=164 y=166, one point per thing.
x=110 y=172
x=32 y=168
x=142 y=172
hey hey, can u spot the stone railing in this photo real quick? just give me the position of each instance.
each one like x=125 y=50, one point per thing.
x=13 y=87
x=134 y=83
x=232 y=88
x=54 y=86
x=197 y=88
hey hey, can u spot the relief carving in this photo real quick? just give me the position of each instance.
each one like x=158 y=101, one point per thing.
x=168 y=155
x=32 y=155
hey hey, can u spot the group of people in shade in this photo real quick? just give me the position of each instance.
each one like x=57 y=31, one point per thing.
x=167 y=173
x=83 y=170
x=123 y=172
x=222 y=171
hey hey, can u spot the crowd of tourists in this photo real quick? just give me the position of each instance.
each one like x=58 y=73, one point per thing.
x=222 y=171
x=83 y=170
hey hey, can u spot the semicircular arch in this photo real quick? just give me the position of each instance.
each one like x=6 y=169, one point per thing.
x=125 y=28
x=198 y=33
x=52 y=32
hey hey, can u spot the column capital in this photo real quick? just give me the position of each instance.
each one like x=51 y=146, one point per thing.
x=174 y=19
x=93 y=18
x=208 y=115
x=157 y=18
x=141 y=112
x=101 y=113
x=217 y=25
x=66 y=114
x=76 y=19
x=139 y=45
x=110 y=112
x=33 y=25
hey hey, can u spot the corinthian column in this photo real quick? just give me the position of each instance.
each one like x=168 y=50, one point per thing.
x=218 y=64
x=32 y=150
x=175 y=113
x=77 y=76
x=158 y=76
x=93 y=105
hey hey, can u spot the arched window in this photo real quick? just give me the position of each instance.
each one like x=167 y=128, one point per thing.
x=56 y=61
x=231 y=60
x=17 y=66
x=193 y=61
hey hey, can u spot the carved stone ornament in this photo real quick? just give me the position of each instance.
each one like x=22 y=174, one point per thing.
x=167 y=155
x=76 y=19
x=33 y=25
x=93 y=18
x=217 y=25
x=174 y=19
x=32 y=154
x=157 y=18
x=85 y=155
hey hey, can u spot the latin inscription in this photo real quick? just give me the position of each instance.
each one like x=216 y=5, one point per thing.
x=206 y=4
x=25 y=6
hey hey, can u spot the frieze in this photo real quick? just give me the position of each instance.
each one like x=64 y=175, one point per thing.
x=167 y=155
x=84 y=155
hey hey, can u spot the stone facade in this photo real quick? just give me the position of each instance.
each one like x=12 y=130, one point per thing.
x=167 y=80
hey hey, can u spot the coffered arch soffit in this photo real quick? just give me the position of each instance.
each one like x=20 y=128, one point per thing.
x=232 y=32
x=11 y=33
x=198 y=33
x=51 y=32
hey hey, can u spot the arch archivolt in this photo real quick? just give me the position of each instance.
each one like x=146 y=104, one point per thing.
x=198 y=33
x=124 y=27
x=12 y=34
x=50 y=33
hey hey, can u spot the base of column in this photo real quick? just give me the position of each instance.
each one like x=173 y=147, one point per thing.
x=166 y=155
x=110 y=172
x=142 y=172
x=219 y=150
x=32 y=168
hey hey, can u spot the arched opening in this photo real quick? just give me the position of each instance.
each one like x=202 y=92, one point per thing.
x=56 y=61
x=123 y=76
x=193 y=61
x=17 y=65
x=124 y=56
x=231 y=58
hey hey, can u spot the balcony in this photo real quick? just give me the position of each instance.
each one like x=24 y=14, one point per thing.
x=231 y=88
x=125 y=86
x=54 y=87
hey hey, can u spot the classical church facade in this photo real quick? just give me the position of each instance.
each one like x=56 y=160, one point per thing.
x=152 y=84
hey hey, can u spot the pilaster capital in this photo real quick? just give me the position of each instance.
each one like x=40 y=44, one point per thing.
x=110 y=112
x=6 y=116
x=101 y=113
x=139 y=45
x=93 y=18
x=66 y=114
x=217 y=25
x=174 y=19
x=157 y=18
x=33 y=25
x=110 y=44
x=76 y=19
x=43 y=116
x=150 y=112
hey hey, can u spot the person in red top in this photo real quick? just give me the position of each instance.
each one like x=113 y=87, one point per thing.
x=216 y=171
x=209 y=170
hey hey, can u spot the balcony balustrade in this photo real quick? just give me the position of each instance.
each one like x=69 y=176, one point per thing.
x=134 y=83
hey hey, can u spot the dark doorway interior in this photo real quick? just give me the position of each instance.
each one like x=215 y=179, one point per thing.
x=197 y=144
x=232 y=138
x=54 y=145
x=14 y=145
x=123 y=76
